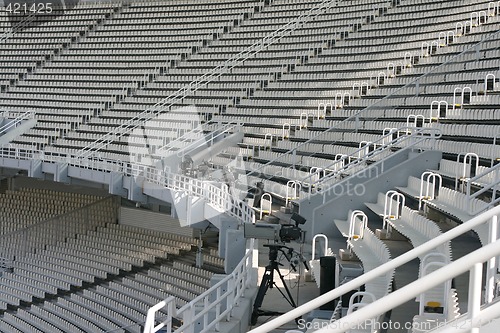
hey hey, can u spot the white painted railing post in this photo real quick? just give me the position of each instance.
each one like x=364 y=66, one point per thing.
x=474 y=307
x=415 y=139
x=150 y=327
x=217 y=309
x=206 y=303
x=231 y=287
x=188 y=317
x=492 y=263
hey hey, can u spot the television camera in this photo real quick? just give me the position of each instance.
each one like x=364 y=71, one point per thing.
x=276 y=233
x=283 y=233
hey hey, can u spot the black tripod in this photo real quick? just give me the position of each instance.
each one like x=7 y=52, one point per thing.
x=268 y=282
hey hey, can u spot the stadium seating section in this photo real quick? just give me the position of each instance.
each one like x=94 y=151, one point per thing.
x=359 y=76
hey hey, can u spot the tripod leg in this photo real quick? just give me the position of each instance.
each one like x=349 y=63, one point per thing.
x=264 y=285
x=292 y=303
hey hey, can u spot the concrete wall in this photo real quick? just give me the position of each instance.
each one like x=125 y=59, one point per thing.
x=320 y=218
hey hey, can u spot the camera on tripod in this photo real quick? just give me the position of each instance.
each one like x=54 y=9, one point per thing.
x=276 y=233
x=283 y=233
x=268 y=280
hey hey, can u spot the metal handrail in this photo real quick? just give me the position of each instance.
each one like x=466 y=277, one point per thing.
x=224 y=295
x=380 y=148
x=223 y=129
x=408 y=292
x=471 y=263
x=206 y=78
x=313 y=247
x=21 y=24
x=41 y=223
x=494 y=187
x=381 y=145
x=15 y=122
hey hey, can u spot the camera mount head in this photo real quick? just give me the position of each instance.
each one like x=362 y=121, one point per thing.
x=287 y=251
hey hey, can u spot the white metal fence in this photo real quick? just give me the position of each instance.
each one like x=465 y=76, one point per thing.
x=216 y=196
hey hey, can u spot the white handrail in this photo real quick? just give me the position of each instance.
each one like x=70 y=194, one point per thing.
x=387 y=303
x=325 y=250
x=268 y=137
x=284 y=128
x=486 y=315
x=471 y=262
x=415 y=118
x=21 y=24
x=270 y=200
x=493 y=186
x=15 y=122
x=226 y=67
x=381 y=145
x=224 y=295
x=224 y=128
x=115 y=163
x=433 y=257
x=493 y=8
